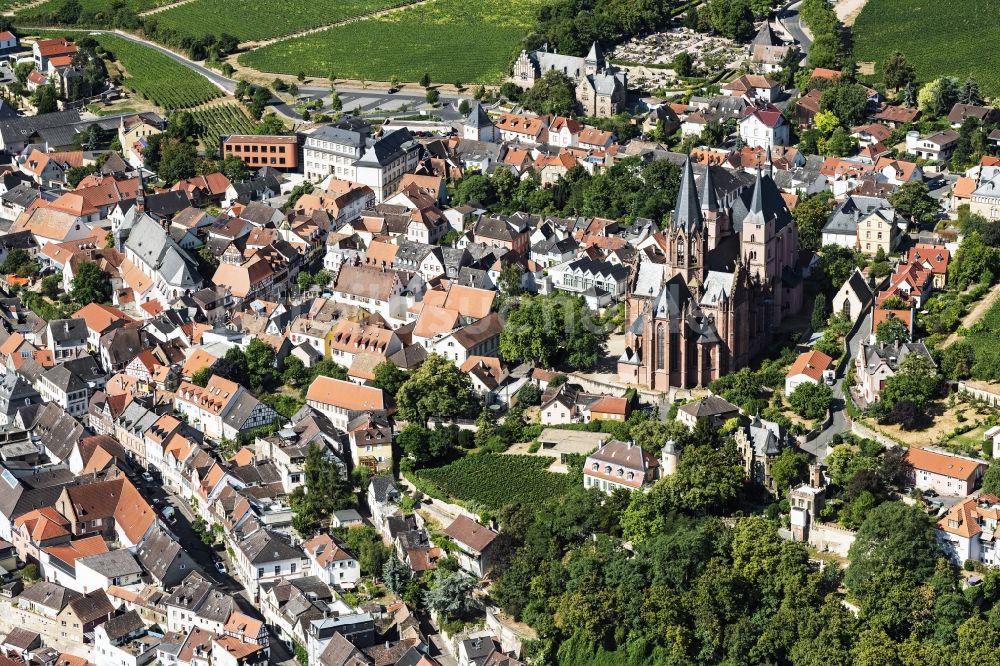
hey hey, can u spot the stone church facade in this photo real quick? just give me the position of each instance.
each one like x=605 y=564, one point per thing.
x=718 y=284
x=600 y=88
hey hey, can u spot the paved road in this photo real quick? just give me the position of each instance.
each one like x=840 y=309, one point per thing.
x=819 y=447
x=366 y=99
x=792 y=21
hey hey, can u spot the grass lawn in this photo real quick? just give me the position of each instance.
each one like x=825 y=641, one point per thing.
x=969 y=443
x=937 y=37
x=467 y=41
x=941 y=431
x=493 y=480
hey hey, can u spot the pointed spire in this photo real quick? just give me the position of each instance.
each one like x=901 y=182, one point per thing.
x=140 y=199
x=756 y=213
x=709 y=200
x=594 y=54
x=770 y=163
x=687 y=214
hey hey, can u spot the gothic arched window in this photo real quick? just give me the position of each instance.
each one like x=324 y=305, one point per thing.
x=660 y=347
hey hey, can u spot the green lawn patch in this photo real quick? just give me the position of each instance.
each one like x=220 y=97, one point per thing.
x=470 y=41
x=494 y=480
x=938 y=38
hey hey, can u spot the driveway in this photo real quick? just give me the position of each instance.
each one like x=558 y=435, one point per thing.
x=820 y=446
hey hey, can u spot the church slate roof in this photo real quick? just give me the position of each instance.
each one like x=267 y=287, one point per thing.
x=687 y=213
x=763 y=199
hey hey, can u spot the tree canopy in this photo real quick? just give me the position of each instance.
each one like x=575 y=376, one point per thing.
x=553 y=330
x=90 y=284
x=323 y=492
x=436 y=389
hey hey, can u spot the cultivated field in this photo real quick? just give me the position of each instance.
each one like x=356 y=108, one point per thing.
x=937 y=37
x=984 y=337
x=155 y=77
x=217 y=120
x=494 y=480
x=37 y=14
x=253 y=20
x=467 y=41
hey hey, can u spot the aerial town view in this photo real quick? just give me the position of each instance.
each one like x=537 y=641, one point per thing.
x=485 y=333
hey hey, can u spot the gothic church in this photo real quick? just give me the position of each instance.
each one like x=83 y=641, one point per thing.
x=717 y=283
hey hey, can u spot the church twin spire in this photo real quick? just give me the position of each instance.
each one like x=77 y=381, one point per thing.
x=687 y=213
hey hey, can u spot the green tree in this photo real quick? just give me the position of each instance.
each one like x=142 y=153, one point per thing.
x=554 y=93
x=294 y=373
x=819 y=313
x=451 y=594
x=891 y=331
x=509 y=282
x=19 y=262
x=436 y=389
x=707 y=479
x=426 y=447
x=991 y=480
x=432 y=97
x=789 y=469
x=234 y=169
x=893 y=534
x=51 y=285
x=553 y=329
x=916 y=380
x=839 y=144
x=90 y=284
x=45 y=99
x=178 y=159
x=683 y=64
x=425 y=80
x=367 y=544
x=936 y=98
x=323 y=492
x=811 y=401
x=389 y=377
x=201 y=377
x=260 y=361
x=970 y=92
x=897 y=72
x=974 y=262
x=463 y=107
x=76 y=174
x=691 y=18
x=732 y=18
x=848 y=101
x=913 y=200
x=811 y=215
x=396 y=575
x=957 y=360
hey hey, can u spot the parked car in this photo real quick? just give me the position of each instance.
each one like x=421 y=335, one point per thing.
x=169 y=514
x=147 y=477
x=220 y=566
x=930 y=492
